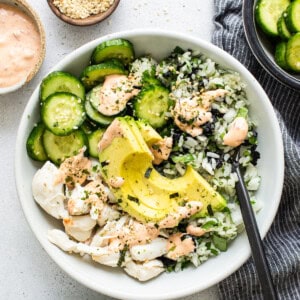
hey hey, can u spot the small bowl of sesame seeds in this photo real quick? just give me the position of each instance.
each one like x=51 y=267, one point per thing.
x=83 y=12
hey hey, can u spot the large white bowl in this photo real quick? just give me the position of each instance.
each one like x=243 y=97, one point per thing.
x=114 y=282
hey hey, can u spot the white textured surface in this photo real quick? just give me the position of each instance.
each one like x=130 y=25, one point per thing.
x=26 y=270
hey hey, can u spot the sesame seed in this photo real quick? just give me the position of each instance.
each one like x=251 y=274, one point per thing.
x=80 y=9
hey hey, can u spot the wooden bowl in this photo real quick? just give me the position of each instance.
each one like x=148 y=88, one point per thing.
x=29 y=11
x=91 y=20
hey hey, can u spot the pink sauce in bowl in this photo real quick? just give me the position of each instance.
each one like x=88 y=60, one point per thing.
x=22 y=47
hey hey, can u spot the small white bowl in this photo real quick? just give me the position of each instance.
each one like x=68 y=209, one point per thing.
x=114 y=282
x=24 y=7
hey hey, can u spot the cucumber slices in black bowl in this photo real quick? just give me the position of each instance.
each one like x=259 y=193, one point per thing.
x=272 y=29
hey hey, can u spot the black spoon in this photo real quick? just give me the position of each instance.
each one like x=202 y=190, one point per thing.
x=254 y=238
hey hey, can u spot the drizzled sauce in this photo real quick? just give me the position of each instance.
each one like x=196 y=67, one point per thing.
x=19 y=45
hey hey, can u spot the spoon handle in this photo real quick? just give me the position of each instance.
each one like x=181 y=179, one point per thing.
x=255 y=241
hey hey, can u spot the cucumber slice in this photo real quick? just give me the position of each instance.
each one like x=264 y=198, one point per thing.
x=283 y=31
x=59 y=81
x=151 y=105
x=63 y=113
x=34 y=145
x=280 y=53
x=116 y=48
x=267 y=13
x=93 y=96
x=95 y=116
x=95 y=74
x=293 y=53
x=112 y=109
x=292 y=16
x=58 y=148
x=94 y=139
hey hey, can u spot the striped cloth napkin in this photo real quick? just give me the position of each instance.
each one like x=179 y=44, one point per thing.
x=282 y=243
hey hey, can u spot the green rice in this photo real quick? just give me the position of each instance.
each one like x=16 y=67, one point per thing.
x=186 y=73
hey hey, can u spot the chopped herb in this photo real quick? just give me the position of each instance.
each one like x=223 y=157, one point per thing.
x=155 y=147
x=178 y=50
x=122 y=256
x=252 y=140
x=169 y=264
x=185 y=121
x=174 y=195
x=185 y=158
x=220 y=242
x=182 y=225
x=85 y=171
x=69 y=179
x=242 y=112
x=209 y=224
x=185 y=236
x=95 y=168
x=214 y=252
x=148 y=173
x=210 y=210
x=226 y=210
x=104 y=163
x=134 y=199
x=184 y=264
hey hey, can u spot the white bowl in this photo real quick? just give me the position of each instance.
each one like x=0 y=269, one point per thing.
x=114 y=282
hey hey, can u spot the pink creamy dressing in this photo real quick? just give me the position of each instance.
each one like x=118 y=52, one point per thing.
x=116 y=91
x=19 y=45
x=113 y=131
x=237 y=132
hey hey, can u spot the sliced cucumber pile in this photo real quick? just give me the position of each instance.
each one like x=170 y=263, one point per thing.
x=71 y=115
x=57 y=136
x=267 y=13
x=280 y=19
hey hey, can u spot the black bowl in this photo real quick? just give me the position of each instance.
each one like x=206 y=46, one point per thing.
x=263 y=47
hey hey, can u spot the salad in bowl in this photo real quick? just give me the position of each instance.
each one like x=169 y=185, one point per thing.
x=133 y=154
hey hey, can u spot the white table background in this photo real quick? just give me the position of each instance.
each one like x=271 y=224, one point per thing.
x=26 y=271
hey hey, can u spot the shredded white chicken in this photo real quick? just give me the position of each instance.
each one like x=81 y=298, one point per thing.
x=49 y=195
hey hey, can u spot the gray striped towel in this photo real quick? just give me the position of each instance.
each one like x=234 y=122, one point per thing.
x=282 y=243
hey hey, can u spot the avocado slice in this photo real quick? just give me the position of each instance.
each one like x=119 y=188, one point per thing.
x=145 y=193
